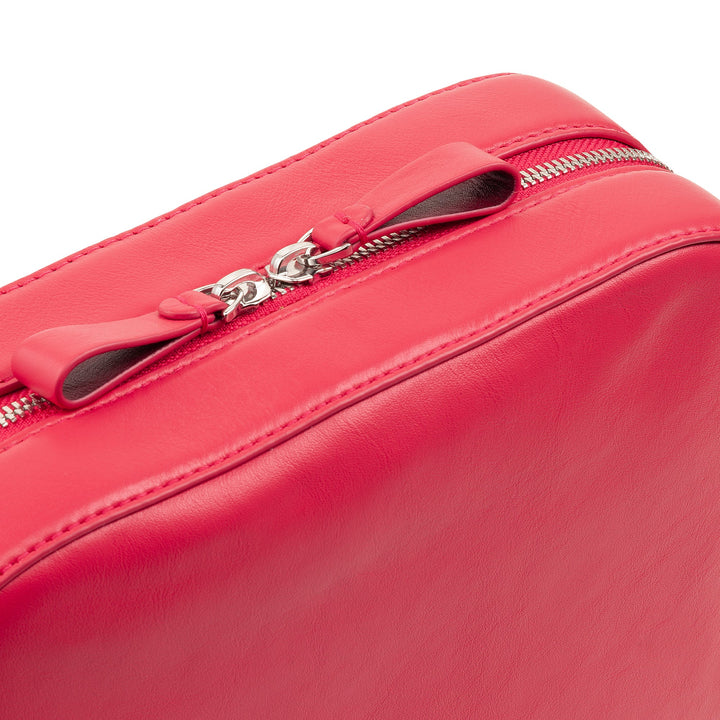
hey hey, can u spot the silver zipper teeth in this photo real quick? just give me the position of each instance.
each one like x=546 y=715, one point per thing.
x=570 y=163
x=26 y=405
x=528 y=177
x=373 y=247
x=20 y=408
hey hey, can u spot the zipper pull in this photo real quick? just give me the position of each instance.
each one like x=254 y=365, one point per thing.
x=453 y=182
x=75 y=364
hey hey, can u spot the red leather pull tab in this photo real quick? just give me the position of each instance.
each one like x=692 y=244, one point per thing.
x=9 y=385
x=73 y=365
x=452 y=182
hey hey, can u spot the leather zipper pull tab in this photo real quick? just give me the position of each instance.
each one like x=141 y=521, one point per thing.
x=75 y=364
x=456 y=181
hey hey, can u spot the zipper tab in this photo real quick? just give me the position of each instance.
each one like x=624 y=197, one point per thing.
x=73 y=365
x=453 y=182
x=239 y=290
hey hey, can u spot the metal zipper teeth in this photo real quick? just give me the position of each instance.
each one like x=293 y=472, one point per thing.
x=570 y=163
x=26 y=405
x=528 y=177
x=373 y=247
x=20 y=408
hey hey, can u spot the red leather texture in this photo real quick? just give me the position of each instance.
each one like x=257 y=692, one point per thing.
x=543 y=546
x=238 y=225
x=475 y=479
x=276 y=377
x=53 y=362
x=427 y=183
x=76 y=364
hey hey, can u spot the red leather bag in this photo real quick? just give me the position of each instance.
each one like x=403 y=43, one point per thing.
x=419 y=423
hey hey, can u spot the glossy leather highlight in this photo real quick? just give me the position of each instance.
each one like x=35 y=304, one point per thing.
x=477 y=479
x=543 y=546
x=500 y=114
x=457 y=181
x=76 y=364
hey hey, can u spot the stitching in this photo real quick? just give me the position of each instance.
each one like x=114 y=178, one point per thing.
x=540 y=133
x=275 y=168
x=300 y=307
x=269 y=171
x=202 y=312
x=297 y=419
x=357 y=227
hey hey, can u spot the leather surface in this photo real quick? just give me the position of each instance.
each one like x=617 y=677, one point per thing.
x=477 y=479
x=528 y=530
x=74 y=364
x=395 y=326
x=243 y=224
x=253 y=388
x=456 y=181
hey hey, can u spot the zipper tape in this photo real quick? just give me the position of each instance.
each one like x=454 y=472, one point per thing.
x=72 y=366
x=455 y=181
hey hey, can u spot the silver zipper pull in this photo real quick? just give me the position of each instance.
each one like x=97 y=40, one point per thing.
x=69 y=365
x=241 y=289
x=303 y=260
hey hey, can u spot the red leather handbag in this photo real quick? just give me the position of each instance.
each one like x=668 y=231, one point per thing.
x=419 y=423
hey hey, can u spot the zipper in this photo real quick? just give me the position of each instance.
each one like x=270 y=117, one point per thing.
x=552 y=169
x=20 y=408
x=281 y=281
x=368 y=250
x=337 y=243
x=303 y=261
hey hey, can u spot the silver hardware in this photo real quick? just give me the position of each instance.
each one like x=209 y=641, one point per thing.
x=307 y=237
x=240 y=289
x=569 y=163
x=323 y=259
x=20 y=408
x=288 y=264
x=301 y=262
x=374 y=247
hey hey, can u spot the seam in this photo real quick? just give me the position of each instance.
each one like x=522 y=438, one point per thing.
x=275 y=168
x=100 y=512
x=221 y=191
x=302 y=306
x=544 y=131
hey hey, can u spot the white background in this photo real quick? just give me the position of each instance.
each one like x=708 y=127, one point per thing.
x=112 y=114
